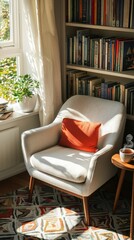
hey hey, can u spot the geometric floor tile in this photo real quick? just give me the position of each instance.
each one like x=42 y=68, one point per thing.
x=54 y=215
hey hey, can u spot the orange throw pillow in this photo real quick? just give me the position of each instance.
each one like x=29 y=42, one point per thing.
x=79 y=135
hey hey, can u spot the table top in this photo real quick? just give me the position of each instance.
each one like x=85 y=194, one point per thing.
x=122 y=165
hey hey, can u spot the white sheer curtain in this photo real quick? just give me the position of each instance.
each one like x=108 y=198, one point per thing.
x=41 y=54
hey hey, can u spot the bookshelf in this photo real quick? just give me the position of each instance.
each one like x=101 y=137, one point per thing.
x=69 y=28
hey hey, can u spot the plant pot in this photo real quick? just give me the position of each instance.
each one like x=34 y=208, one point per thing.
x=28 y=104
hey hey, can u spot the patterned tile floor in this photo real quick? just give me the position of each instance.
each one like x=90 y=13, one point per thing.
x=54 y=215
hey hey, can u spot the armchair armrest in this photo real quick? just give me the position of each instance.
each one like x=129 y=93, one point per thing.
x=100 y=162
x=38 y=139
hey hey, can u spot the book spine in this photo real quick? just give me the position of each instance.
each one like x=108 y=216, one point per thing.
x=103 y=53
x=103 y=90
x=71 y=50
x=113 y=12
x=102 y=11
x=80 y=10
x=106 y=55
x=132 y=14
x=126 y=13
x=74 y=50
x=96 y=51
x=88 y=51
x=70 y=10
x=66 y=8
x=98 y=12
x=110 y=12
x=84 y=11
x=85 y=50
x=110 y=52
x=117 y=12
x=75 y=11
x=91 y=52
x=100 y=53
x=93 y=11
x=107 y=12
x=79 y=48
x=121 y=7
x=67 y=49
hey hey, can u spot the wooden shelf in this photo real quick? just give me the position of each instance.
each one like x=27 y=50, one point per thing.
x=99 y=27
x=125 y=74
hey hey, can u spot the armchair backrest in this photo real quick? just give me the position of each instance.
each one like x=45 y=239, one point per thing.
x=110 y=114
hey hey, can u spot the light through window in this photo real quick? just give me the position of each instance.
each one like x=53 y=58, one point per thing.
x=5 y=20
x=10 y=52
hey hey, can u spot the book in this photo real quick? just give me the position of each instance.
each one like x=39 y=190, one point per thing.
x=76 y=75
x=70 y=82
x=97 y=90
x=114 y=90
x=84 y=50
x=126 y=13
x=113 y=12
x=6 y=109
x=132 y=14
x=106 y=89
x=80 y=33
x=93 y=82
x=131 y=107
x=128 y=100
x=67 y=49
x=85 y=4
x=117 y=15
x=5 y=115
x=70 y=10
x=121 y=7
x=76 y=11
x=127 y=55
x=96 y=53
x=70 y=50
x=80 y=85
x=80 y=10
x=124 y=85
x=74 y=50
x=98 y=12
x=102 y=11
x=112 y=54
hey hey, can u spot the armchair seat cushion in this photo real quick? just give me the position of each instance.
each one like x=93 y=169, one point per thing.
x=65 y=163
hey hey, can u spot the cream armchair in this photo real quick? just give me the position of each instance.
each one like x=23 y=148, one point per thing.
x=57 y=166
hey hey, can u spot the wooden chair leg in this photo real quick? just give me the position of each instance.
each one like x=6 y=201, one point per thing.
x=86 y=210
x=31 y=186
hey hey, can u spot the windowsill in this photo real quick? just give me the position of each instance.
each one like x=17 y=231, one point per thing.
x=16 y=115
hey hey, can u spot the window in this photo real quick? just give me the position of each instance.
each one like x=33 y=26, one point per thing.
x=5 y=21
x=10 y=52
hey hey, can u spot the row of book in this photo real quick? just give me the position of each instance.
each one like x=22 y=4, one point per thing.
x=82 y=83
x=114 y=54
x=115 y=13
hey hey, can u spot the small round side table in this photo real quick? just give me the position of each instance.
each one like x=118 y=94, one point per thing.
x=124 y=167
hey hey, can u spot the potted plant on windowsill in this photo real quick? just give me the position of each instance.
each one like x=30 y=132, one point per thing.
x=22 y=90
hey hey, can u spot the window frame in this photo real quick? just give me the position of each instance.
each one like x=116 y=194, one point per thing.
x=11 y=48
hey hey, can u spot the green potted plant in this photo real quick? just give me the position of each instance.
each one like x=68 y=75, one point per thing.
x=21 y=89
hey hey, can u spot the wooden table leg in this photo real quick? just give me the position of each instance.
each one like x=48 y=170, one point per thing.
x=132 y=211
x=122 y=174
